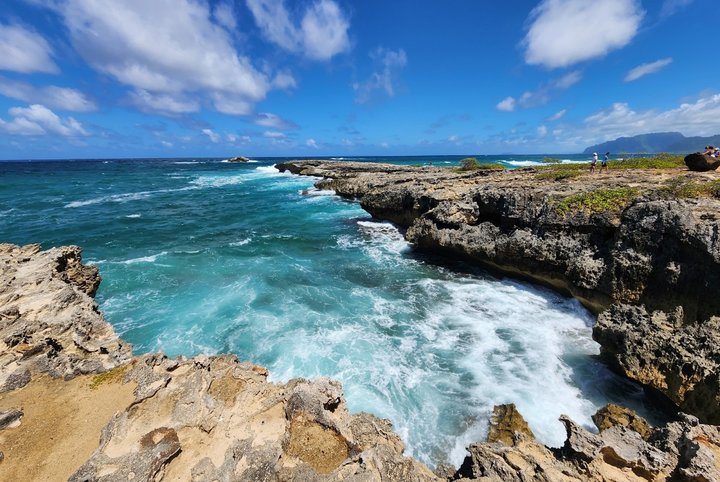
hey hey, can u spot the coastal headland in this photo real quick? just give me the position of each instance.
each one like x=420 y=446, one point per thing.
x=639 y=248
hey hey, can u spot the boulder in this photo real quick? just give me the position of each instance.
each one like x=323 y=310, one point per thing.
x=238 y=159
x=701 y=162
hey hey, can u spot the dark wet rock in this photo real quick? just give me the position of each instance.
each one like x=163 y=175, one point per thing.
x=701 y=162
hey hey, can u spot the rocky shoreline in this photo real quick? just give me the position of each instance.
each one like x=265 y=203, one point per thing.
x=76 y=404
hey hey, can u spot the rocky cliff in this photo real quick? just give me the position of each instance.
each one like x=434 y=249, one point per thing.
x=641 y=248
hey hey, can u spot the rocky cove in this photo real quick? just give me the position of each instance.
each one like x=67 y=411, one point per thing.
x=647 y=265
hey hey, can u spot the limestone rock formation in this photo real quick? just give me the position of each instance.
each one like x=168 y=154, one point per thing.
x=701 y=162
x=49 y=321
x=656 y=253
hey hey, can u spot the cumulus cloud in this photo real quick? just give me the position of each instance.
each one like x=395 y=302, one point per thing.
x=388 y=64
x=274 y=135
x=565 y=32
x=312 y=143
x=166 y=104
x=542 y=131
x=166 y=50
x=60 y=98
x=38 y=120
x=266 y=119
x=508 y=104
x=540 y=96
x=701 y=118
x=320 y=34
x=647 y=69
x=24 y=51
x=212 y=135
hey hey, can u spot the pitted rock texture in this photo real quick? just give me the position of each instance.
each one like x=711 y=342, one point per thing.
x=658 y=254
x=49 y=321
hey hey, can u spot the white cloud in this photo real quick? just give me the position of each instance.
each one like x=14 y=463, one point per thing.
x=647 y=69
x=274 y=135
x=166 y=104
x=60 y=98
x=557 y=115
x=312 y=143
x=24 y=51
x=224 y=14
x=166 y=143
x=540 y=96
x=542 y=131
x=38 y=120
x=212 y=135
x=700 y=118
x=320 y=35
x=508 y=104
x=671 y=7
x=266 y=119
x=388 y=64
x=284 y=80
x=565 y=32
x=166 y=48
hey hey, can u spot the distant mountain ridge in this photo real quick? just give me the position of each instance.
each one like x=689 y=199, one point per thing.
x=673 y=142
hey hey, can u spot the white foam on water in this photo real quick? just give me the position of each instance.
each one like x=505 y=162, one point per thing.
x=524 y=163
x=122 y=198
x=385 y=238
x=216 y=181
x=186 y=162
x=133 y=216
x=315 y=192
x=143 y=259
x=242 y=242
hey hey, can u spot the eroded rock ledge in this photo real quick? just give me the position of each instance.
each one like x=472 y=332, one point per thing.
x=651 y=268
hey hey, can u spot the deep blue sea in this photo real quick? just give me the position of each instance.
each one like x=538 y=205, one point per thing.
x=205 y=256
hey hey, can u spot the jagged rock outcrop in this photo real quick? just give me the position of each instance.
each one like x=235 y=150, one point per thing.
x=49 y=321
x=653 y=251
x=681 y=451
x=701 y=162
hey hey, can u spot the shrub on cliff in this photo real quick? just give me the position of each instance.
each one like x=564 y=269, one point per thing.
x=599 y=201
x=681 y=187
x=551 y=160
x=658 y=161
x=472 y=164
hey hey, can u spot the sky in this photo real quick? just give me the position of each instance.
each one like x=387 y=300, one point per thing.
x=220 y=78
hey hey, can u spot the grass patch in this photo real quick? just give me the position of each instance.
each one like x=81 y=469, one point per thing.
x=111 y=376
x=680 y=187
x=559 y=174
x=659 y=161
x=600 y=201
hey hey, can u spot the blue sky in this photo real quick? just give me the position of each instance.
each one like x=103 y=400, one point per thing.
x=185 y=78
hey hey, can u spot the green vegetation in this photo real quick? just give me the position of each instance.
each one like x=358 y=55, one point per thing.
x=472 y=164
x=551 y=160
x=682 y=187
x=112 y=376
x=558 y=172
x=600 y=201
x=658 y=161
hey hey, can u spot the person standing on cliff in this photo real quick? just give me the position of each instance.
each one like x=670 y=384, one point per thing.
x=604 y=163
x=593 y=162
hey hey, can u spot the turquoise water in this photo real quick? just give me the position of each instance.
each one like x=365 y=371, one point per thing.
x=201 y=256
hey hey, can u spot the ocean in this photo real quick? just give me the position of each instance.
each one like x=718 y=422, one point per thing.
x=205 y=256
